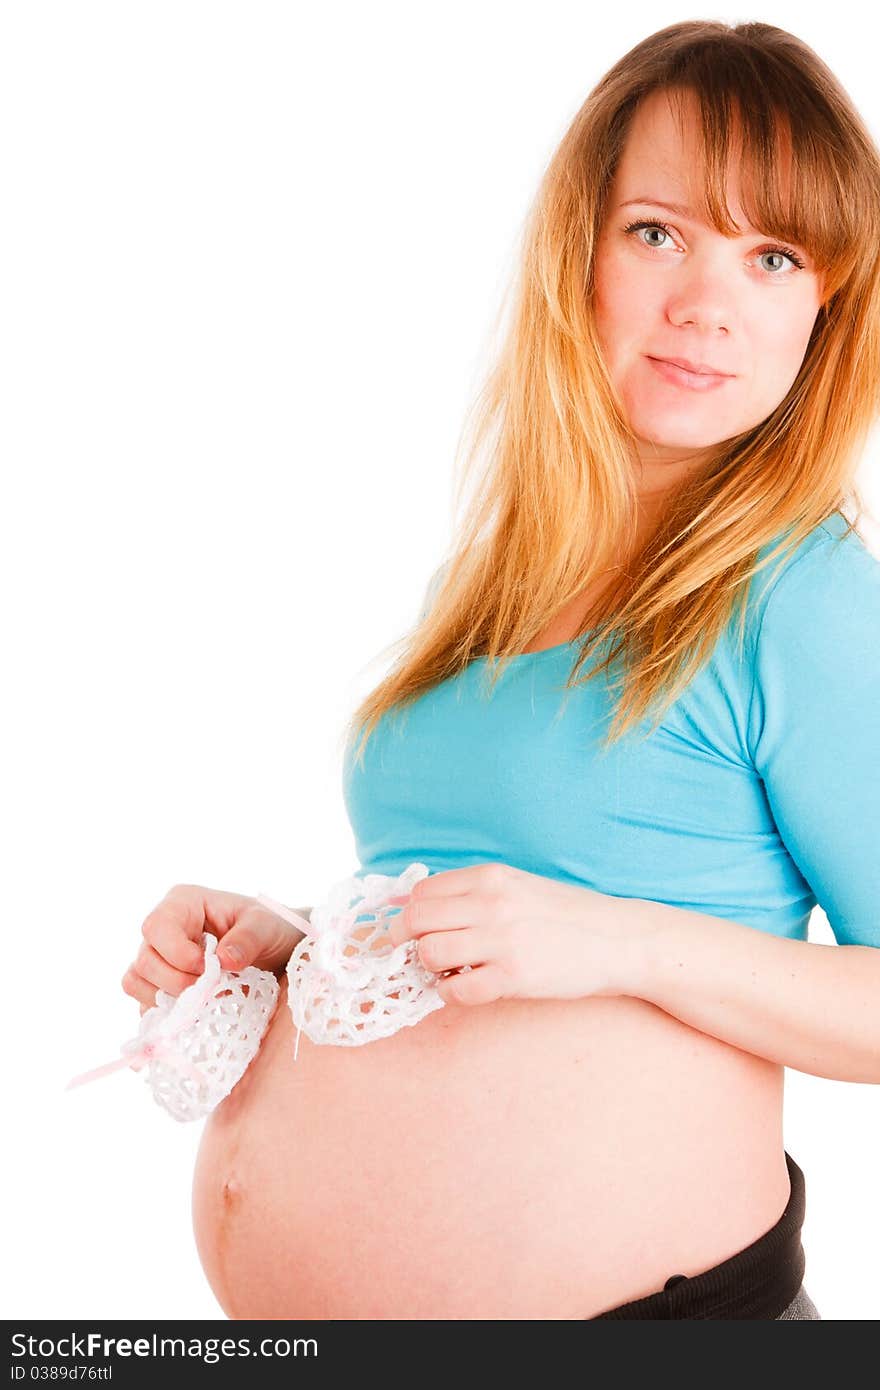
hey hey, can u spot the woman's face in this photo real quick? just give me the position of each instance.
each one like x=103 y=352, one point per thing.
x=734 y=303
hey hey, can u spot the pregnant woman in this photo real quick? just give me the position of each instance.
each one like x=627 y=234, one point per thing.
x=635 y=738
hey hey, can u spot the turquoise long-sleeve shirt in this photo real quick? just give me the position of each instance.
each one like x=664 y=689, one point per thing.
x=756 y=798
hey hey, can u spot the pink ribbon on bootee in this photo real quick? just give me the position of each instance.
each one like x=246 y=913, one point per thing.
x=305 y=926
x=137 y=1051
x=141 y=1054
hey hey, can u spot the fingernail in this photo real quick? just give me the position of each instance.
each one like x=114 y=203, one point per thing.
x=233 y=955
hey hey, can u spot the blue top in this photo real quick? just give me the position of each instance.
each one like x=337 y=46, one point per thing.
x=757 y=796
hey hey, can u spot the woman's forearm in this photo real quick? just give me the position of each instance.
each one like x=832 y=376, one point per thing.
x=803 y=1004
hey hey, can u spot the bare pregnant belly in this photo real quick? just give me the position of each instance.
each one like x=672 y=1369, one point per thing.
x=525 y=1159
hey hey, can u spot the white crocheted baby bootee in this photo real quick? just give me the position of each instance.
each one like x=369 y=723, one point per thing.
x=198 y=1045
x=346 y=984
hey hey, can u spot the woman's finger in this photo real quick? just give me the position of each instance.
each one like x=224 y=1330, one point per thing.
x=156 y=971
x=138 y=988
x=422 y=915
x=174 y=930
x=484 y=985
x=450 y=950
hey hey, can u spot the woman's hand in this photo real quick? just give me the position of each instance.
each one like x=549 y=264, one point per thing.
x=524 y=936
x=171 y=956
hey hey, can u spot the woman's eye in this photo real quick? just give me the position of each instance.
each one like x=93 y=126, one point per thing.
x=649 y=226
x=785 y=251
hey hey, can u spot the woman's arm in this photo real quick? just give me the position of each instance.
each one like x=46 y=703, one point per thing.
x=814 y=740
x=524 y=936
x=803 y=1004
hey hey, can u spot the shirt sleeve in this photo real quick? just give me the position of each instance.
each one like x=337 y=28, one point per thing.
x=815 y=727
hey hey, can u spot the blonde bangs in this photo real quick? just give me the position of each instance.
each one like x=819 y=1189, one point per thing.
x=791 y=189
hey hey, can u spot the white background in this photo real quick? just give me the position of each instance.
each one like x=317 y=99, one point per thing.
x=252 y=256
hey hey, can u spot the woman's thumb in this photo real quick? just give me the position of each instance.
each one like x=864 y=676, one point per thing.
x=259 y=938
x=237 y=949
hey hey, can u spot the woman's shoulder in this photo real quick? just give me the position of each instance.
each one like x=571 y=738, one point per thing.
x=832 y=569
x=859 y=540
x=822 y=608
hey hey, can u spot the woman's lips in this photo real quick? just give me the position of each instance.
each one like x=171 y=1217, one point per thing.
x=691 y=381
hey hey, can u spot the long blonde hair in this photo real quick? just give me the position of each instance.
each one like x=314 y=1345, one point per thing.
x=555 y=505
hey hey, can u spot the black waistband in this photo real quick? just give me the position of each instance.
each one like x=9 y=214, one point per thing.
x=757 y=1282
